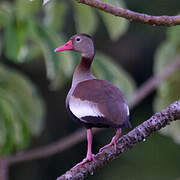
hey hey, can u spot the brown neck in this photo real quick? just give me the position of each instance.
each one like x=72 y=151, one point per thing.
x=83 y=71
x=84 y=65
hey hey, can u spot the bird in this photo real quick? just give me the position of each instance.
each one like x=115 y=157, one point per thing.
x=93 y=102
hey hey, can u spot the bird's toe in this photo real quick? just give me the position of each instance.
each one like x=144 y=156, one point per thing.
x=89 y=157
x=113 y=142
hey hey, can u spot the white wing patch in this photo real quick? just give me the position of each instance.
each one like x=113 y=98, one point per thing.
x=83 y=108
x=127 y=108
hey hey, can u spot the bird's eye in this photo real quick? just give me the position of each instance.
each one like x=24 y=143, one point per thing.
x=78 y=39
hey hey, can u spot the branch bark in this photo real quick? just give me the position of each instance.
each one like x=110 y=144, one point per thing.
x=133 y=16
x=126 y=142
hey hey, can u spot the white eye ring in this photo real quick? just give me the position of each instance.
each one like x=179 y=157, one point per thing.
x=78 y=39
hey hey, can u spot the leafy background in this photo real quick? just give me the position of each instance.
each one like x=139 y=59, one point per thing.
x=34 y=82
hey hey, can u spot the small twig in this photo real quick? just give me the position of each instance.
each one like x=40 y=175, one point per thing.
x=3 y=169
x=154 y=81
x=48 y=150
x=133 y=16
x=126 y=142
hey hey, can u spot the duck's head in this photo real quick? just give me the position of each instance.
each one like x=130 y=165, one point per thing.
x=82 y=43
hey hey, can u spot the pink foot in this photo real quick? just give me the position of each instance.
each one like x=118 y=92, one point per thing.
x=89 y=157
x=113 y=142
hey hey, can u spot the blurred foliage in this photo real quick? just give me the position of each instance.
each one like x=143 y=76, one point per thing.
x=81 y=19
x=28 y=33
x=31 y=31
x=168 y=91
x=21 y=111
x=116 y=26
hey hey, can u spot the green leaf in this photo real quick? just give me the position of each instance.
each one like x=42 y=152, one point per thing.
x=105 y=68
x=26 y=9
x=173 y=35
x=14 y=38
x=21 y=111
x=42 y=41
x=66 y=66
x=30 y=49
x=85 y=18
x=116 y=26
x=59 y=65
x=55 y=14
x=55 y=62
x=6 y=10
x=168 y=91
x=6 y=139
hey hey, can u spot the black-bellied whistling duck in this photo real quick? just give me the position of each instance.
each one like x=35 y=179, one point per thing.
x=93 y=102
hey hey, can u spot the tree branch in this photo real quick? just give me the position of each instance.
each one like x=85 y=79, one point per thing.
x=154 y=81
x=133 y=16
x=3 y=169
x=49 y=150
x=126 y=142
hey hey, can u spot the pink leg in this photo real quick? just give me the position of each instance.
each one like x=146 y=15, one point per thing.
x=89 y=155
x=113 y=141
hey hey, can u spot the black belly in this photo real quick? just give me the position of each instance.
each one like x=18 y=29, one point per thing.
x=100 y=122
